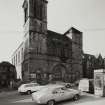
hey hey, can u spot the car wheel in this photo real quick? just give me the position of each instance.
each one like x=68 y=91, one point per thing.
x=29 y=92
x=76 y=97
x=51 y=102
x=67 y=86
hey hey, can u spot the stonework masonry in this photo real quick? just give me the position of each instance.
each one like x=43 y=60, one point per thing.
x=48 y=55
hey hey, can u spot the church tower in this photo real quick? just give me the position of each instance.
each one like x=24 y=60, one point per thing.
x=35 y=31
x=77 y=52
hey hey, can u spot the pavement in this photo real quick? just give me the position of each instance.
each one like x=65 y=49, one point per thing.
x=14 y=98
x=86 y=99
x=13 y=92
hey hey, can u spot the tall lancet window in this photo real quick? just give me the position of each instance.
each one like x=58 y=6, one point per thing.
x=26 y=14
x=35 y=8
x=25 y=6
x=41 y=9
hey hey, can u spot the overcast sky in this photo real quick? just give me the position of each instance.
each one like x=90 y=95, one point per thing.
x=86 y=15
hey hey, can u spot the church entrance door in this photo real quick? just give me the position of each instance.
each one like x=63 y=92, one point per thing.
x=59 y=72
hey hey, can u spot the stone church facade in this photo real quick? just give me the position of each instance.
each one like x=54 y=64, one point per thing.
x=45 y=55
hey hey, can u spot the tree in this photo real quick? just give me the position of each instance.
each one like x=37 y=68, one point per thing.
x=7 y=73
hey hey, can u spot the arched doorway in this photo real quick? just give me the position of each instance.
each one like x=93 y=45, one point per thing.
x=59 y=73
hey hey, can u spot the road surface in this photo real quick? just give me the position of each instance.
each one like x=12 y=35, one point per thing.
x=13 y=98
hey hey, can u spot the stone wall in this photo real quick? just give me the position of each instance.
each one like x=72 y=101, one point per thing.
x=64 y=64
x=77 y=53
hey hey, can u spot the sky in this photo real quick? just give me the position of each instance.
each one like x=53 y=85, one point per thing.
x=87 y=16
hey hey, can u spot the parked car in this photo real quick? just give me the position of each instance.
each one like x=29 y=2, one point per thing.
x=53 y=94
x=29 y=88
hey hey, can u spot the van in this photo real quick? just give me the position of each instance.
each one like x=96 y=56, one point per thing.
x=86 y=85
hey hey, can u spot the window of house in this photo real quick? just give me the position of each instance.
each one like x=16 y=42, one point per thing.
x=22 y=54
x=18 y=56
x=16 y=59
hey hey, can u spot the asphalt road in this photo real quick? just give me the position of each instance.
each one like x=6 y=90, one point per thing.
x=13 y=98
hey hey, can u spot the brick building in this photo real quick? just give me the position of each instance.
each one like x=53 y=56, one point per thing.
x=45 y=54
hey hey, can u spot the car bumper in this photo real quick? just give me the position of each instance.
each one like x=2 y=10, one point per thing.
x=36 y=101
x=21 y=91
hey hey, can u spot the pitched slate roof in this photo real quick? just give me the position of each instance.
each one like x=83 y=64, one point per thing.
x=74 y=30
x=55 y=35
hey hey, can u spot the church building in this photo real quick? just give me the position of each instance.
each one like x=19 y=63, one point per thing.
x=45 y=55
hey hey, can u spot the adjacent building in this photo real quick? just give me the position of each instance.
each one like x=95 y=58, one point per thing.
x=91 y=63
x=45 y=54
x=17 y=59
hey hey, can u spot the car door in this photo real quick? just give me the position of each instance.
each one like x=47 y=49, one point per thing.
x=33 y=87
x=63 y=94
x=58 y=94
x=71 y=93
x=30 y=87
x=67 y=93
